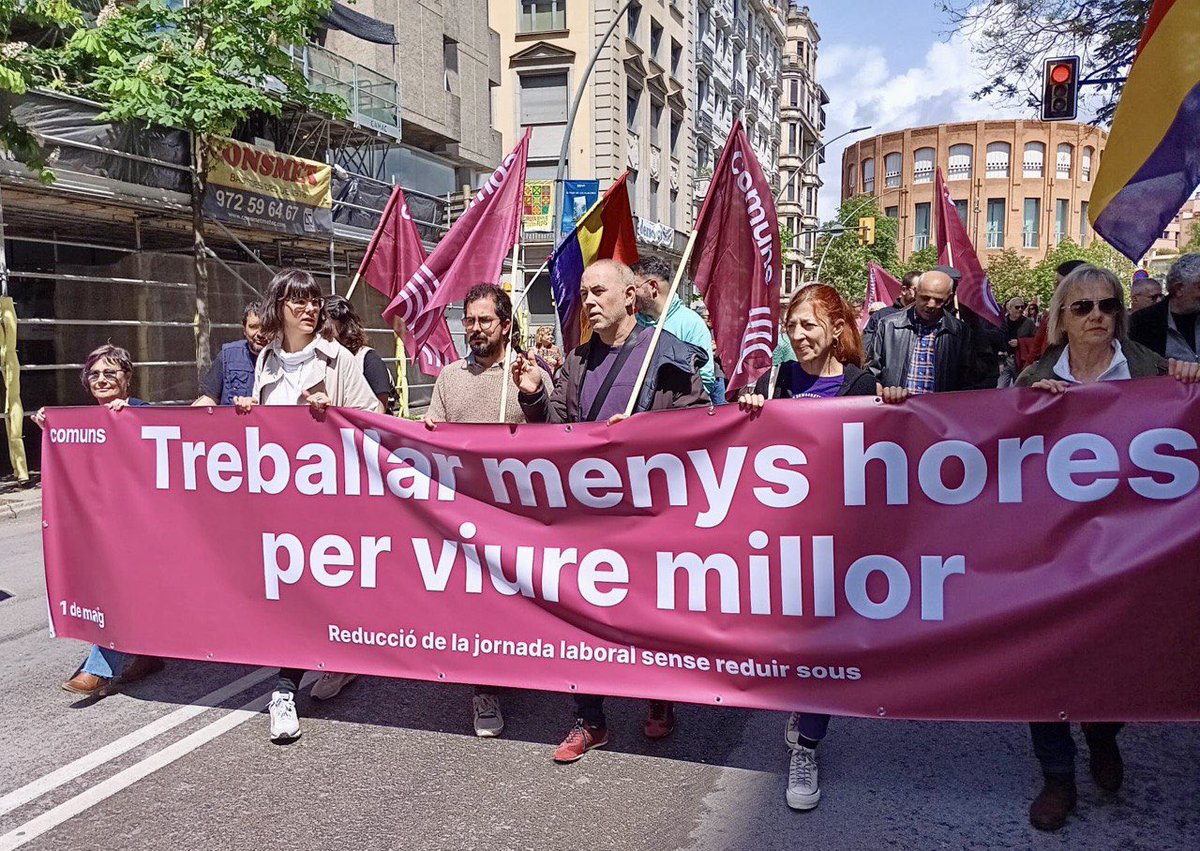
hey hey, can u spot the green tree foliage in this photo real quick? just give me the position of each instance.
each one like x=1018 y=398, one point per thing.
x=1010 y=274
x=1192 y=246
x=918 y=261
x=1012 y=38
x=845 y=263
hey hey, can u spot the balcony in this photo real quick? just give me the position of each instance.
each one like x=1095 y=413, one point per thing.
x=704 y=124
x=704 y=55
x=374 y=99
x=739 y=91
x=753 y=53
x=741 y=32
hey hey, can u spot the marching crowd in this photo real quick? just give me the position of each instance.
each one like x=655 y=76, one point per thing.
x=301 y=347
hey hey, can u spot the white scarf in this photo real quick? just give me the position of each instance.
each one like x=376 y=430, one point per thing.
x=296 y=367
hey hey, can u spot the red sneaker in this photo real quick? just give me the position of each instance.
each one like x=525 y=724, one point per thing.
x=582 y=738
x=660 y=720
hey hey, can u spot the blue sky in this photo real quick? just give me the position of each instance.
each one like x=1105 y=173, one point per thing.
x=891 y=64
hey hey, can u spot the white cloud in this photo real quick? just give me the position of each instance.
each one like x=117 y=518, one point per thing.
x=864 y=88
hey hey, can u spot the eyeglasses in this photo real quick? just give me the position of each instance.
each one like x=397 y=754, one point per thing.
x=297 y=302
x=107 y=374
x=1083 y=307
x=482 y=324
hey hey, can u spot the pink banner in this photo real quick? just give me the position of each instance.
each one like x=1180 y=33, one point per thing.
x=992 y=555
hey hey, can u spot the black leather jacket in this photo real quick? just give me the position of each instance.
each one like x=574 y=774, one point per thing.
x=891 y=348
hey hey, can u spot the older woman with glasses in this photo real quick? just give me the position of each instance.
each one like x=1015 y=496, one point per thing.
x=300 y=367
x=107 y=374
x=1088 y=343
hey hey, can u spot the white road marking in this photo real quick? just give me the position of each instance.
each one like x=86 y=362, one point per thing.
x=128 y=742
x=105 y=789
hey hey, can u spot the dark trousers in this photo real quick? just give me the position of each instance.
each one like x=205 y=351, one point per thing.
x=590 y=707
x=289 y=680
x=1055 y=749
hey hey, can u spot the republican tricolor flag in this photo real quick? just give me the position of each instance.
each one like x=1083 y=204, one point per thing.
x=1151 y=162
x=737 y=262
x=394 y=255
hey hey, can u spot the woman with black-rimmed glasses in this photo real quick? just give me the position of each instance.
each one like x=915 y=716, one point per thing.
x=1088 y=343
x=107 y=374
x=300 y=367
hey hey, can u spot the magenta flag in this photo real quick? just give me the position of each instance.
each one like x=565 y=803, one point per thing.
x=955 y=249
x=472 y=251
x=393 y=257
x=1003 y=554
x=881 y=286
x=737 y=264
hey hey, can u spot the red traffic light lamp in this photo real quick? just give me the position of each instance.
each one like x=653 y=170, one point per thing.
x=1060 y=89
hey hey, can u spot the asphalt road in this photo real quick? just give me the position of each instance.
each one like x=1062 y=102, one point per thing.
x=392 y=764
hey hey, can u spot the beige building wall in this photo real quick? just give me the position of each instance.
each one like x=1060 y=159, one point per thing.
x=446 y=63
x=643 y=73
x=992 y=189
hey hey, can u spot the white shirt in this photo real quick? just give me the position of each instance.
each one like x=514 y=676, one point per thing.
x=1118 y=368
x=296 y=367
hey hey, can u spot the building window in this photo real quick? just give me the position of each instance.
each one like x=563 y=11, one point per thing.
x=633 y=100
x=631 y=183
x=793 y=136
x=1033 y=215
x=921 y=234
x=961 y=208
x=1062 y=162
x=1062 y=218
x=676 y=128
x=656 y=34
x=892 y=164
x=793 y=94
x=1085 y=167
x=1035 y=159
x=543 y=98
x=869 y=176
x=851 y=175
x=450 y=64
x=676 y=57
x=923 y=165
x=674 y=207
x=656 y=111
x=652 y=212
x=960 y=162
x=1083 y=220
x=543 y=15
x=632 y=18
x=892 y=212
x=997 y=159
x=995 y=222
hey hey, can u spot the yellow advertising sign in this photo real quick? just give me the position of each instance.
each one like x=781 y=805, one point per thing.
x=253 y=187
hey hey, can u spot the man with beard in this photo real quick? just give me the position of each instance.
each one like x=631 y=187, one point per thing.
x=232 y=373
x=468 y=391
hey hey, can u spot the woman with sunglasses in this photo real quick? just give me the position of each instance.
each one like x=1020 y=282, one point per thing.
x=107 y=374
x=823 y=332
x=1088 y=343
x=300 y=367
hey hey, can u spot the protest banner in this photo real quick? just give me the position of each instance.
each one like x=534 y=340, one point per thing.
x=996 y=555
x=252 y=187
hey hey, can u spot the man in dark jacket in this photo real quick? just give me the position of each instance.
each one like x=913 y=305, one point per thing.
x=1170 y=327
x=595 y=384
x=923 y=349
x=232 y=373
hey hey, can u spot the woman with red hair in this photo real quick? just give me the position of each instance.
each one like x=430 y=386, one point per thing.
x=823 y=331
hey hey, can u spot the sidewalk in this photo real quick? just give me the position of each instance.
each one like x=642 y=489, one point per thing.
x=18 y=501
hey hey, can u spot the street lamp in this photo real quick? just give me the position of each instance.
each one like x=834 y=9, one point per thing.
x=813 y=155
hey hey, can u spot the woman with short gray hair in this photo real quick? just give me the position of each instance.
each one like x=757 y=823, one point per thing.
x=1088 y=343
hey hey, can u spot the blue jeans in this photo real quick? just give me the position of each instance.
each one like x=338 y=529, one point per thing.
x=718 y=393
x=813 y=726
x=1055 y=749
x=102 y=662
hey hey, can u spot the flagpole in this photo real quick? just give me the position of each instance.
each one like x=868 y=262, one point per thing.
x=387 y=208
x=658 y=326
x=504 y=379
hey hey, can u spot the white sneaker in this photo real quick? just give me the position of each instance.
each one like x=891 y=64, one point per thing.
x=285 y=725
x=489 y=720
x=330 y=684
x=791 y=731
x=803 y=791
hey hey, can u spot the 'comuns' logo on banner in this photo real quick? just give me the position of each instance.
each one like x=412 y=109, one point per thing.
x=77 y=435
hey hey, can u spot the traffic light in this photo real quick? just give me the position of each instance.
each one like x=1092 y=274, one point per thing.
x=866 y=230
x=1060 y=89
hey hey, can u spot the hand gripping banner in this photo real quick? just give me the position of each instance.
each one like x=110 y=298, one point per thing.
x=997 y=555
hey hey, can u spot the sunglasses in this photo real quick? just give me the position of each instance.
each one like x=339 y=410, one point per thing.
x=1083 y=307
x=110 y=375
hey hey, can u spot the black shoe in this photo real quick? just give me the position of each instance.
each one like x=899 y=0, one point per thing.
x=1053 y=804
x=1108 y=770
